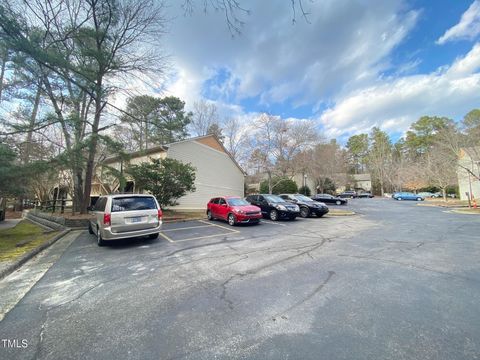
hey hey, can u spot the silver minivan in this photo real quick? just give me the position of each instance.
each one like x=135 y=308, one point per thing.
x=125 y=216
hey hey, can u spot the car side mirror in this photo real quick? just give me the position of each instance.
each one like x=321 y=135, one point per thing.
x=295 y=200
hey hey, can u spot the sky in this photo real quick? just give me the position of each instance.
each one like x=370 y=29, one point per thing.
x=352 y=65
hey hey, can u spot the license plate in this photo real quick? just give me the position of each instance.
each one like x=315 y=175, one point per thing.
x=136 y=219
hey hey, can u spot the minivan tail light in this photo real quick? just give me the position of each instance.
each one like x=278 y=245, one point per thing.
x=160 y=214
x=107 y=219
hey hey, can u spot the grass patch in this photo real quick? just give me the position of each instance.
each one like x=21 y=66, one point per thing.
x=448 y=203
x=25 y=236
x=467 y=211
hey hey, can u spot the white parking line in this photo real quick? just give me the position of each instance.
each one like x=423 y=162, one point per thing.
x=271 y=222
x=187 y=228
x=208 y=224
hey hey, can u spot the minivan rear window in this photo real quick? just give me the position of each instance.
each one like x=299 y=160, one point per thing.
x=133 y=203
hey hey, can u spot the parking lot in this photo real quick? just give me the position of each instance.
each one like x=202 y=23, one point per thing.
x=204 y=229
x=395 y=281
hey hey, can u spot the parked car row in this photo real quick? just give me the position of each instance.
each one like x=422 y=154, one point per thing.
x=137 y=215
x=236 y=210
x=353 y=194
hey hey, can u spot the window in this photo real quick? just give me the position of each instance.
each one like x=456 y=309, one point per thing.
x=100 y=204
x=221 y=201
x=237 y=202
x=274 y=198
x=302 y=198
x=133 y=203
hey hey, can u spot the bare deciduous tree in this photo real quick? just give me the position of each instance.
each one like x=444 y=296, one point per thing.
x=84 y=46
x=440 y=167
x=277 y=143
x=204 y=116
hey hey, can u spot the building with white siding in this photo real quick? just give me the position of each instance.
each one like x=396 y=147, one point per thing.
x=469 y=173
x=217 y=173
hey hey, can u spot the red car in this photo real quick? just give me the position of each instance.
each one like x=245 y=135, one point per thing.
x=234 y=210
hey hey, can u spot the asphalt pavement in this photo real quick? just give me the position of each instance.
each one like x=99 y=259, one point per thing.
x=396 y=281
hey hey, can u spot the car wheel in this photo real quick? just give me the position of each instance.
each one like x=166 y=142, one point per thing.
x=338 y=202
x=304 y=212
x=351 y=197
x=100 y=241
x=90 y=230
x=153 y=236
x=209 y=215
x=419 y=199
x=292 y=217
x=231 y=219
x=399 y=199
x=273 y=215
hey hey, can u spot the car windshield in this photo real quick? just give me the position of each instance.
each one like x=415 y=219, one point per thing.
x=133 y=203
x=237 y=202
x=302 y=198
x=274 y=198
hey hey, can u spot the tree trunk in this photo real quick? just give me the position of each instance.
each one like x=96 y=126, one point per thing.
x=444 y=194
x=2 y=72
x=92 y=148
x=31 y=125
x=270 y=187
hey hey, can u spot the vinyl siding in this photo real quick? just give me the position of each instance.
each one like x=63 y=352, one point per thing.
x=465 y=180
x=298 y=178
x=216 y=174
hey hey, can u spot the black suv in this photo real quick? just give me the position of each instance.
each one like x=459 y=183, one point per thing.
x=274 y=207
x=307 y=206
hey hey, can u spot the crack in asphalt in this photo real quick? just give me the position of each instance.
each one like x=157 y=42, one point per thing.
x=424 y=268
x=254 y=271
x=319 y=288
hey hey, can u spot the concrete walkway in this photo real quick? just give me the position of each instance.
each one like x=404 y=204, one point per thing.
x=9 y=223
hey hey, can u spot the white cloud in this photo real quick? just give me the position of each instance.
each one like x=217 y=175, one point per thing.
x=467 y=28
x=394 y=104
x=345 y=46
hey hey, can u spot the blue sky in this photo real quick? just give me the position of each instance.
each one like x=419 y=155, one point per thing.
x=354 y=65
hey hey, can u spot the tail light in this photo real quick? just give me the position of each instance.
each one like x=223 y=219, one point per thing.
x=107 y=219
x=160 y=214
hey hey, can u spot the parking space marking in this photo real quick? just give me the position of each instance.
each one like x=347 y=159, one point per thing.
x=165 y=237
x=203 y=237
x=187 y=228
x=207 y=225
x=271 y=222
x=220 y=226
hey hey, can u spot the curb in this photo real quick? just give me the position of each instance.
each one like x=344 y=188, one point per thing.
x=462 y=212
x=43 y=222
x=351 y=213
x=25 y=257
x=445 y=206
